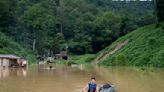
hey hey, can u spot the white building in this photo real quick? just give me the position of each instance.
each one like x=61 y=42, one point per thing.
x=7 y=60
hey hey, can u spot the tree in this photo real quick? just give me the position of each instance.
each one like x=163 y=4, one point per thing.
x=8 y=15
x=160 y=10
x=86 y=26
x=106 y=31
x=39 y=22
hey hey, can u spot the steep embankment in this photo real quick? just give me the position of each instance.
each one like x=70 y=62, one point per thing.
x=8 y=46
x=106 y=53
x=142 y=47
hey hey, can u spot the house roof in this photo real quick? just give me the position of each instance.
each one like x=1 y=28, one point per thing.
x=9 y=56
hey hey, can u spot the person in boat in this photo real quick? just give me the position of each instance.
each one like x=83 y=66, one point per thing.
x=91 y=86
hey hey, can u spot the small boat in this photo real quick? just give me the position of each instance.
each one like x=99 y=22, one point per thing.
x=107 y=88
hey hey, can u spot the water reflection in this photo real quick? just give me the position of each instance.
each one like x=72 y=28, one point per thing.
x=72 y=79
x=8 y=72
x=133 y=79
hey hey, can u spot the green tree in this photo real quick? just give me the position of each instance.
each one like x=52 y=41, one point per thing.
x=160 y=10
x=107 y=30
x=8 y=17
x=39 y=22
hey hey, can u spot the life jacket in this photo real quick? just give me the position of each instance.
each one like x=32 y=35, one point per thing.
x=92 y=87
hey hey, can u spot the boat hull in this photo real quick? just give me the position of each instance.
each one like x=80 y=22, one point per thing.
x=111 y=89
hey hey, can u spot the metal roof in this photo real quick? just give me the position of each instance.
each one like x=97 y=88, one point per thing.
x=9 y=56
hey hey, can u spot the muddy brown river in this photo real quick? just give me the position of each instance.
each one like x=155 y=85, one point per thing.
x=72 y=79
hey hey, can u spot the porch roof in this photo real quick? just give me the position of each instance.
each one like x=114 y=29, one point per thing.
x=10 y=56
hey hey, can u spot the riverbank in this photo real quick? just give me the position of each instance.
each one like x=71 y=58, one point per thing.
x=142 y=48
x=77 y=59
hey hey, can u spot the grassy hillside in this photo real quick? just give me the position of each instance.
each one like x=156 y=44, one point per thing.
x=145 y=47
x=8 y=46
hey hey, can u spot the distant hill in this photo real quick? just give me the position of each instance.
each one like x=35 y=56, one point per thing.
x=9 y=46
x=142 y=47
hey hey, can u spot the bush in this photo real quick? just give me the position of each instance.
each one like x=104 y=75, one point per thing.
x=158 y=59
x=152 y=42
x=121 y=59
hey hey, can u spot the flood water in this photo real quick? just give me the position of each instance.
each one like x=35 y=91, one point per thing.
x=73 y=79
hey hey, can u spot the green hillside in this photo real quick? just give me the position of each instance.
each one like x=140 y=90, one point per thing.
x=8 y=46
x=145 y=47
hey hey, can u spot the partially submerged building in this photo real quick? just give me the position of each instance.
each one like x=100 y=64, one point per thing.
x=7 y=60
x=62 y=55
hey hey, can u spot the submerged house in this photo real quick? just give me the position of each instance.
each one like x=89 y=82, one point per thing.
x=7 y=60
x=62 y=55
